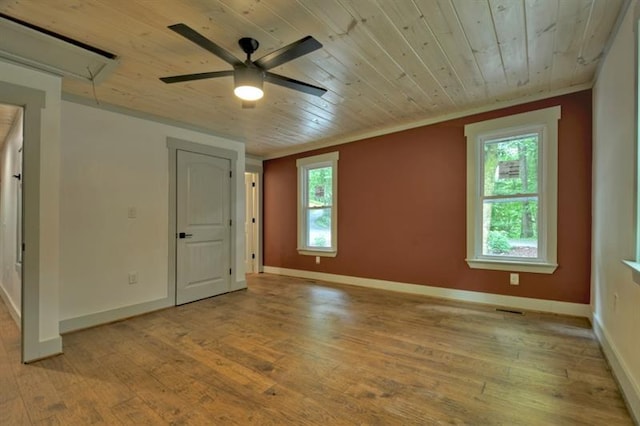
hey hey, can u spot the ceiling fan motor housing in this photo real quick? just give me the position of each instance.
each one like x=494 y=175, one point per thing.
x=248 y=45
x=251 y=79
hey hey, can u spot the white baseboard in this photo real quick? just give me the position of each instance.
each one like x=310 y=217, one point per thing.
x=51 y=346
x=239 y=285
x=13 y=309
x=98 y=318
x=540 y=305
x=43 y=349
x=630 y=388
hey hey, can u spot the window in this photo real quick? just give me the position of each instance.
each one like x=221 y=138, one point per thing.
x=512 y=192
x=317 y=205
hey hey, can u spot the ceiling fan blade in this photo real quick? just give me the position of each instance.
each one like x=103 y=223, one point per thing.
x=290 y=83
x=197 y=38
x=199 y=76
x=248 y=104
x=288 y=53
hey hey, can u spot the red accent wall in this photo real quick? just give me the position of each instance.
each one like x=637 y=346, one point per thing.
x=402 y=209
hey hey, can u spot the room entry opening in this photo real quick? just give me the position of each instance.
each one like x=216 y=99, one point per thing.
x=203 y=226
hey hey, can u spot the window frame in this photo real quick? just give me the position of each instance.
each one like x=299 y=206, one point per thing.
x=304 y=165
x=545 y=123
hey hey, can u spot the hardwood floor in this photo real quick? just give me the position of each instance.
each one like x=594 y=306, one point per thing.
x=292 y=351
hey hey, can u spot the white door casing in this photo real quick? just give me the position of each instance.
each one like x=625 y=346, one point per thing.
x=203 y=226
x=250 y=224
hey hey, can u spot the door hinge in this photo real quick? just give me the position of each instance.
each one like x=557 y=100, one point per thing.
x=253 y=255
x=22 y=246
x=253 y=184
x=230 y=222
x=230 y=174
x=253 y=220
x=229 y=271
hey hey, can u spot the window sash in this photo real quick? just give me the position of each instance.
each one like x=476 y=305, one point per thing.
x=308 y=243
x=539 y=241
x=481 y=198
x=328 y=206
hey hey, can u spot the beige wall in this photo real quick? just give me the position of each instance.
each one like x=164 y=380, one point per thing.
x=111 y=162
x=615 y=297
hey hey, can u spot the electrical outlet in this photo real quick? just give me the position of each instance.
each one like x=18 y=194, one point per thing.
x=133 y=277
x=514 y=279
x=132 y=213
x=317 y=260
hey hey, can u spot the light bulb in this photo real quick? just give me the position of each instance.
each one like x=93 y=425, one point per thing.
x=248 y=93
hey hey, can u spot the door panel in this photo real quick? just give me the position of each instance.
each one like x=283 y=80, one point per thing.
x=203 y=216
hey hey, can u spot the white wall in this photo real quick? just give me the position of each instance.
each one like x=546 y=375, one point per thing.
x=616 y=320
x=10 y=165
x=110 y=162
x=48 y=340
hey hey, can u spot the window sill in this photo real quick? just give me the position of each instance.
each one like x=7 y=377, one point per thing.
x=513 y=266
x=635 y=270
x=323 y=253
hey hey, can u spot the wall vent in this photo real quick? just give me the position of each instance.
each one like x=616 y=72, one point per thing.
x=30 y=45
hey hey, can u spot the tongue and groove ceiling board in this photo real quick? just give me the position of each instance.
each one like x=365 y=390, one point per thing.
x=384 y=62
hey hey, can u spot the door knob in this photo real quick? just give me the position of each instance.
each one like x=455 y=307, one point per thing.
x=184 y=235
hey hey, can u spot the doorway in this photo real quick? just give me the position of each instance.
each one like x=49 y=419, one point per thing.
x=203 y=216
x=11 y=140
x=202 y=205
x=251 y=224
x=39 y=338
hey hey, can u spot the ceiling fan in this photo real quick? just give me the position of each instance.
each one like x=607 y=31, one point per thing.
x=250 y=75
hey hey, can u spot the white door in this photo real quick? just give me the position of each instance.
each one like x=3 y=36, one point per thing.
x=203 y=215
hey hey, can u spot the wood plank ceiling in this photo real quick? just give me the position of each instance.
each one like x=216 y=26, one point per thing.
x=384 y=62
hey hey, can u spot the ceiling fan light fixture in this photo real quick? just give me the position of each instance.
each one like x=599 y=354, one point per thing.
x=248 y=84
x=248 y=93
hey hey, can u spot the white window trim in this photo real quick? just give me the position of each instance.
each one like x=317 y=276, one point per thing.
x=328 y=159
x=635 y=264
x=548 y=202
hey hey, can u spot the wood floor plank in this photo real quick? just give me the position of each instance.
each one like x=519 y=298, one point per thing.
x=13 y=411
x=295 y=351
